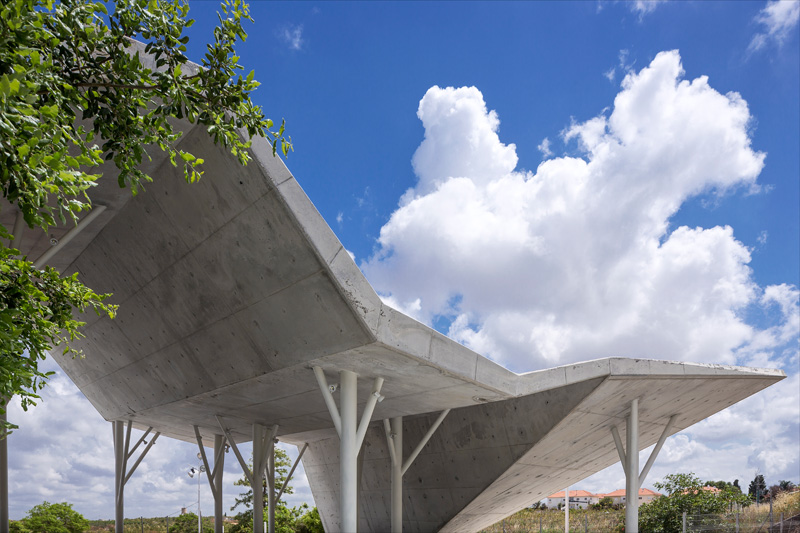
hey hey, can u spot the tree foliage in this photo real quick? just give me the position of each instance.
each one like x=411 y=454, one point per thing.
x=758 y=488
x=684 y=493
x=604 y=503
x=287 y=519
x=187 y=523
x=75 y=91
x=52 y=518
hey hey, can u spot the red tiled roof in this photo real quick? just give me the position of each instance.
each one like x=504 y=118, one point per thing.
x=574 y=494
x=621 y=492
x=616 y=494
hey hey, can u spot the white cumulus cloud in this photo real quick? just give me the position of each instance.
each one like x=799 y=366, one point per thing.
x=778 y=19
x=577 y=260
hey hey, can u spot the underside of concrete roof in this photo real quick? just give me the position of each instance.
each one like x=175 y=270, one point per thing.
x=232 y=289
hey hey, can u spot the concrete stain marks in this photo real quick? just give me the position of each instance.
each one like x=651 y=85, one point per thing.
x=404 y=334
x=227 y=353
x=356 y=290
x=181 y=296
x=311 y=224
x=452 y=357
x=105 y=273
x=226 y=188
x=142 y=325
x=256 y=254
x=303 y=322
x=143 y=238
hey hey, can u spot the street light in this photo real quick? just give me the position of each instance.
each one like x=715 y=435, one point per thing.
x=192 y=471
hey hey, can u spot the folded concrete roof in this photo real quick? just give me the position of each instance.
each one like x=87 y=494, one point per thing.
x=232 y=288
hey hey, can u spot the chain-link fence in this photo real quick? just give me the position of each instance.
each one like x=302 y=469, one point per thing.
x=765 y=521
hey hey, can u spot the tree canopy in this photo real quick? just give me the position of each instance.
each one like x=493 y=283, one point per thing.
x=758 y=488
x=52 y=518
x=684 y=493
x=77 y=90
x=287 y=519
x=187 y=523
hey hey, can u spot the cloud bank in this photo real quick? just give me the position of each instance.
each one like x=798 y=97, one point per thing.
x=777 y=20
x=577 y=260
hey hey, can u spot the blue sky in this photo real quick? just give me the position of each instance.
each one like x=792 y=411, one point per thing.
x=643 y=210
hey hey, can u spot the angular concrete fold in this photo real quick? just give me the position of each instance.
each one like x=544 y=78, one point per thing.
x=231 y=289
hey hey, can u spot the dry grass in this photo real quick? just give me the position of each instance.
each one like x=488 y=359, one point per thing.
x=751 y=519
x=551 y=521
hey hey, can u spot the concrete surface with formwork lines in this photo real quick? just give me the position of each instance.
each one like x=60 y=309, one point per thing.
x=232 y=289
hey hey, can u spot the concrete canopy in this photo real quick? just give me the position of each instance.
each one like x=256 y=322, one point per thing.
x=232 y=289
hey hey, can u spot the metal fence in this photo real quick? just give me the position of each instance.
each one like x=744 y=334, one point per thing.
x=741 y=522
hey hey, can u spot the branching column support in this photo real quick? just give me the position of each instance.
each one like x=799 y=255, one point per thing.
x=263 y=460
x=123 y=452
x=19 y=225
x=351 y=436
x=291 y=473
x=215 y=475
x=629 y=456
x=394 y=439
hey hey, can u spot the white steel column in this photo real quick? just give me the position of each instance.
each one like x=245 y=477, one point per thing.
x=214 y=476
x=19 y=225
x=566 y=510
x=396 y=445
x=632 y=478
x=263 y=443
x=348 y=455
x=3 y=472
x=123 y=452
x=351 y=436
x=631 y=464
x=394 y=440
x=219 y=465
x=271 y=486
x=291 y=473
x=119 y=461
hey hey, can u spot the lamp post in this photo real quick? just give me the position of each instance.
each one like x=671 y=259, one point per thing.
x=192 y=471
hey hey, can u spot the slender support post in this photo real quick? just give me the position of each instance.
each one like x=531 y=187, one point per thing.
x=19 y=225
x=620 y=449
x=123 y=452
x=351 y=436
x=4 y=522
x=654 y=453
x=258 y=480
x=394 y=441
x=566 y=510
x=396 y=447
x=214 y=476
x=119 y=461
x=263 y=444
x=424 y=440
x=219 y=465
x=291 y=472
x=71 y=234
x=271 y=486
x=348 y=455
x=327 y=395
x=631 y=479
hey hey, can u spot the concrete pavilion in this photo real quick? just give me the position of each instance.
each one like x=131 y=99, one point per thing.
x=243 y=318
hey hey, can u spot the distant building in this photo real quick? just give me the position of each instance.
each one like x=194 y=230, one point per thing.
x=578 y=499
x=619 y=496
x=581 y=499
